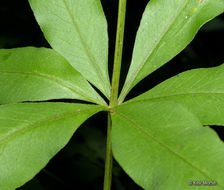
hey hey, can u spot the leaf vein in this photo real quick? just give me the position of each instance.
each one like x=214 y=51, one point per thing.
x=152 y=50
x=38 y=123
x=174 y=95
x=86 y=48
x=58 y=81
x=137 y=126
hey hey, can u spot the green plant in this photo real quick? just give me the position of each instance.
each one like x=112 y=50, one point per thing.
x=157 y=137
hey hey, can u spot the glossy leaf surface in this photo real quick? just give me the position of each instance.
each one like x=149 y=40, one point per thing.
x=77 y=29
x=31 y=134
x=166 y=28
x=33 y=74
x=200 y=90
x=161 y=145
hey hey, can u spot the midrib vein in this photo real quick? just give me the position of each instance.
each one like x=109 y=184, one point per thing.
x=138 y=127
x=86 y=48
x=48 y=120
x=56 y=80
x=173 y=95
x=154 y=47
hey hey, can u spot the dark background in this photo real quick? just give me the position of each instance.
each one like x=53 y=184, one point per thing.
x=80 y=165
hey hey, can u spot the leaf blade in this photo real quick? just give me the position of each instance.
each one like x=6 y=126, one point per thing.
x=165 y=142
x=78 y=31
x=31 y=134
x=34 y=74
x=200 y=90
x=165 y=29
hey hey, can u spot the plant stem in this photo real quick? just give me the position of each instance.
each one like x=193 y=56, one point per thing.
x=109 y=158
x=114 y=90
x=118 y=52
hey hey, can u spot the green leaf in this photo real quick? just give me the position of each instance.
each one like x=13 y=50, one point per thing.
x=31 y=134
x=166 y=28
x=200 y=90
x=162 y=145
x=32 y=74
x=77 y=29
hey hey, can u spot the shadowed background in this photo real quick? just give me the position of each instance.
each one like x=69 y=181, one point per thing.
x=80 y=165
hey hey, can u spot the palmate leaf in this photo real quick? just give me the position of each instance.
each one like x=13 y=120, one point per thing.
x=77 y=29
x=32 y=133
x=162 y=145
x=166 y=28
x=200 y=90
x=33 y=74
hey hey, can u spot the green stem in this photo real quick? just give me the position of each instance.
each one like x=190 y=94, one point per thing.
x=118 y=52
x=114 y=90
x=109 y=158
